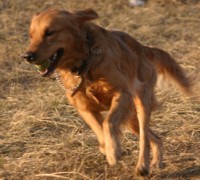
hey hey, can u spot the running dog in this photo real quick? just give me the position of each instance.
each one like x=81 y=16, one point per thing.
x=104 y=70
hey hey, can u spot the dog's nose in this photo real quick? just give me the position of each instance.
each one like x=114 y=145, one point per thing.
x=29 y=56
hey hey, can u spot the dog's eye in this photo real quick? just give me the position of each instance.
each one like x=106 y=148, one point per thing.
x=49 y=33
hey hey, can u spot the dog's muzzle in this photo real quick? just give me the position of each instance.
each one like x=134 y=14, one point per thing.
x=46 y=67
x=29 y=56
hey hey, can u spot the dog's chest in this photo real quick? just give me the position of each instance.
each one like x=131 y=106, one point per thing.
x=101 y=93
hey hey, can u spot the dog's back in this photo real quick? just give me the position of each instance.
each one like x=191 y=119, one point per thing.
x=164 y=64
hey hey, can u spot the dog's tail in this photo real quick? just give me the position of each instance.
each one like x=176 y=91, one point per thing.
x=169 y=68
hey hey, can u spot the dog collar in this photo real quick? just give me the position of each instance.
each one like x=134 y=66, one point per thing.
x=92 y=53
x=87 y=62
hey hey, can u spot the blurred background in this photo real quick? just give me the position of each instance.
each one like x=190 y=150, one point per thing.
x=41 y=135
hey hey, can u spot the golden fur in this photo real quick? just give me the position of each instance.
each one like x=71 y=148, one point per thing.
x=120 y=80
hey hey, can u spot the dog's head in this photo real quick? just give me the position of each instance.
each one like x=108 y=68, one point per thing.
x=56 y=39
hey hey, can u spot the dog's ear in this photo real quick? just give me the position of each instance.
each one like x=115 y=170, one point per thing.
x=86 y=15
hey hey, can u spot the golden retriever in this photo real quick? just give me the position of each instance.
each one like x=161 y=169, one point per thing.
x=104 y=70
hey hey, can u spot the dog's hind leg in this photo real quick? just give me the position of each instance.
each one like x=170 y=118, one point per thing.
x=155 y=142
x=156 y=145
x=143 y=115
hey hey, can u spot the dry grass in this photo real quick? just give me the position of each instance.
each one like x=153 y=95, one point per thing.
x=41 y=136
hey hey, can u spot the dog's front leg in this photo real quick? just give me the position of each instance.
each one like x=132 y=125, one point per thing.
x=90 y=115
x=94 y=120
x=120 y=106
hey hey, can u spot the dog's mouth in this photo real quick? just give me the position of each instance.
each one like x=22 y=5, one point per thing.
x=47 y=67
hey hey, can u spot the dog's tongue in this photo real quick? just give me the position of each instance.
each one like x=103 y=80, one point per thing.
x=43 y=71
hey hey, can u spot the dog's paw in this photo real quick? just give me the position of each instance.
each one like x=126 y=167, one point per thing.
x=142 y=171
x=156 y=163
x=102 y=149
x=112 y=159
x=113 y=156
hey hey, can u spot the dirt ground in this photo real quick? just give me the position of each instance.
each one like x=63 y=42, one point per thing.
x=41 y=135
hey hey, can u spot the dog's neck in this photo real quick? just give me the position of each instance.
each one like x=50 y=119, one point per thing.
x=82 y=71
x=91 y=53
